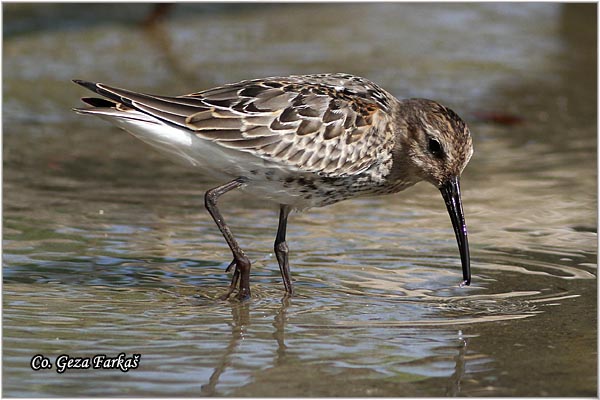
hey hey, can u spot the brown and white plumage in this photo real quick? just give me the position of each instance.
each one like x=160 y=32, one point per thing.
x=331 y=124
x=300 y=141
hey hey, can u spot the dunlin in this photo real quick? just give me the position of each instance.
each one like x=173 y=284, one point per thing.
x=300 y=142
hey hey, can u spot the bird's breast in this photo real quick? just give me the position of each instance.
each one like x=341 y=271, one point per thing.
x=307 y=190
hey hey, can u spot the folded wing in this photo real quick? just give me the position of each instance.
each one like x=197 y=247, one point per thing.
x=321 y=125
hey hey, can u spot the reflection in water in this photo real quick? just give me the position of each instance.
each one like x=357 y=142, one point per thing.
x=240 y=324
x=240 y=321
x=279 y=323
x=241 y=329
x=453 y=388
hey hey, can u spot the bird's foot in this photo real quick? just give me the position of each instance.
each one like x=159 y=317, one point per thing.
x=241 y=274
x=231 y=265
x=243 y=294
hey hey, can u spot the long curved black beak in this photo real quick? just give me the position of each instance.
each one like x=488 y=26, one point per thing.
x=451 y=193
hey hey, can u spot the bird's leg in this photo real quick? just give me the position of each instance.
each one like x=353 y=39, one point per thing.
x=281 y=249
x=241 y=262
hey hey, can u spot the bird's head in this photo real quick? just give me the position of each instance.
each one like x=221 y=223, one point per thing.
x=437 y=146
x=437 y=142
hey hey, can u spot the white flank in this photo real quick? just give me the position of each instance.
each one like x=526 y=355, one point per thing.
x=183 y=146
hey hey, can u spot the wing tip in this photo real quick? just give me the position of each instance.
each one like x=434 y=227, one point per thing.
x=98 y=102
x=86 y=84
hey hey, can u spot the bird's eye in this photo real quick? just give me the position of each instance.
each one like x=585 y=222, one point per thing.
x=435 y=148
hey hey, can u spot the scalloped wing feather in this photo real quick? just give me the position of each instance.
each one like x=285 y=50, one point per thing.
x=332 y=124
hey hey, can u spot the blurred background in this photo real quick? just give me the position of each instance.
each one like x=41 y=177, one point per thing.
x=107 y=247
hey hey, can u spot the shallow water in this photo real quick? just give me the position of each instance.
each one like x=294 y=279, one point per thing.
x=107 y=248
